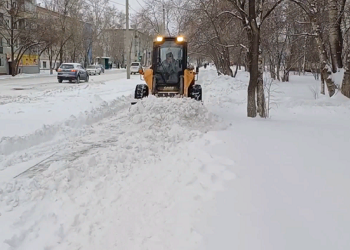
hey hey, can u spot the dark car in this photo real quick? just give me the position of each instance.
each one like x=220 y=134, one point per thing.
x=72 y=72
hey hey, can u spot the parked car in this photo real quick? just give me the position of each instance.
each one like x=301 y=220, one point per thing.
x=72 y=72
x=93 y=70
x=135 y=67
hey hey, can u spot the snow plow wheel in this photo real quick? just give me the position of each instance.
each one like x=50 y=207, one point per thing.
x=141 y=91
x=196 y=92
x=181 y=85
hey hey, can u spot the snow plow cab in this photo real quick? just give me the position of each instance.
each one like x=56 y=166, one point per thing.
x=170 y=74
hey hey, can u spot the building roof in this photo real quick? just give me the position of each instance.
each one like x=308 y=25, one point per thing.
x=47 y=11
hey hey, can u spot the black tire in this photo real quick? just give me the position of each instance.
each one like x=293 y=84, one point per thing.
x=196 y=92
x=78 y=79
x=181 y=85
x=141 y=91
x=154 y=85
x=60 y=80
x=87 y=78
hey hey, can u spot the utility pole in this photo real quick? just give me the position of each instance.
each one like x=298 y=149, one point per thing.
x=127 y=37
x=163 y=20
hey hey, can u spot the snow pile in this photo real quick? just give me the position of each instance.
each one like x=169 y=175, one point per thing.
x=35 y=97
x=59 y=112
x=167 y=112
x=69 y=127
x=135 y=180
x=223 y=90
x=23 y=75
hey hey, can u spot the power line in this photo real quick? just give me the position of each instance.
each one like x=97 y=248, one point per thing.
x=139 y=3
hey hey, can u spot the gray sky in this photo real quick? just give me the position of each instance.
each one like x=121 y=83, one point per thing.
x=120 y=4
x=134 y=5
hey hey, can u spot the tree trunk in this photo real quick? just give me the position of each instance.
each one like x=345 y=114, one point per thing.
x=13 y=63
x=335 y=35
x=12 y=45
x=226 y=63
x=61 y=54
x=240 y=59
x=50 y=60
x=272 y=69
x=239 y=62
x=322 y=85
x=325 y=71
x=236 y=70
x=345 y=88
x=285 y=77
x=248 y=61
x=260 y=86
x=254 y=74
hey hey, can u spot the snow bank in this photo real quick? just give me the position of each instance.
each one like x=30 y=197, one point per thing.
x=58 y=112
x=66 y=128
x=136 y=180
x=22 y=75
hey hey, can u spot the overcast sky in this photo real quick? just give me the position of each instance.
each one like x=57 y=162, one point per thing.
x=135 y=5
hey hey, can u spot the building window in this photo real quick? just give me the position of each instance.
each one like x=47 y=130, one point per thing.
x=44 y=65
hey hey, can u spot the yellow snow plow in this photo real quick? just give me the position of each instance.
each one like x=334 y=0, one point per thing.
x=170 y=74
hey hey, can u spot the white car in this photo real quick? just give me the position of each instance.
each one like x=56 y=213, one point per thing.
x=135 y=67
x=93 y=70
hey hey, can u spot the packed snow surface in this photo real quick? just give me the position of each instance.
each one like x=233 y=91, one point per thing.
x=95 y=172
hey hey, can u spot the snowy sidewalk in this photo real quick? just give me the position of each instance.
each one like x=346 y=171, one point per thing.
x=293 y=175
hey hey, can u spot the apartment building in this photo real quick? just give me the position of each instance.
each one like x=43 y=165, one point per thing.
x=28 y=32
x=25 y=9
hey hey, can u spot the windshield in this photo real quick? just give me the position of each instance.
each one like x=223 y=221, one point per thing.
x=135 y=64
x=170 y=61
x=91 y=67
x=67 y=66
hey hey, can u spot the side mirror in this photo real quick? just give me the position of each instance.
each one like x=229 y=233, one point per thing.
x=197 y=69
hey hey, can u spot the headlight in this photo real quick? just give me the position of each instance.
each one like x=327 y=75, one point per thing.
x=159 y=39
x=180 y=38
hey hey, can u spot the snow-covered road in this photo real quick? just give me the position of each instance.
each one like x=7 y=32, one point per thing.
x=11 y=89
x=80 y=168
x=38 y=116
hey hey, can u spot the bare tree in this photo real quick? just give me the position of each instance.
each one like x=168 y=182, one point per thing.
x=101 y=15
x=19 y=28
x=336 y=13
